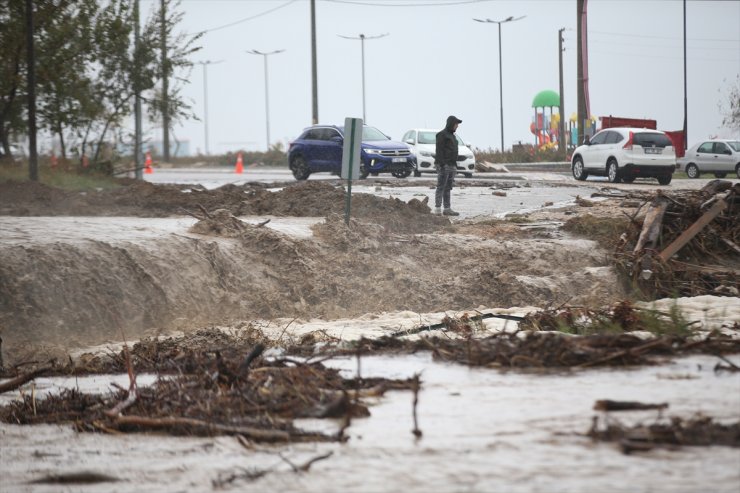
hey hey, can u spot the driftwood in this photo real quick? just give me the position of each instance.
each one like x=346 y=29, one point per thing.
x=652 y=225
x=703 y=226
x=609 y=405
x=445 y=324
x=85 y=477
x=18 y=381
x=256 y=434
x=673 y=433
x=692 y=231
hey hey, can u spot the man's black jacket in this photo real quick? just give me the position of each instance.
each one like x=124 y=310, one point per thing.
x=446 y=149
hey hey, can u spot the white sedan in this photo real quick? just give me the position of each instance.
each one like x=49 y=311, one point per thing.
x=422 y=142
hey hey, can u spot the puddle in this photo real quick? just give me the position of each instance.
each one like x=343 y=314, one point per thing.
x=483 y=430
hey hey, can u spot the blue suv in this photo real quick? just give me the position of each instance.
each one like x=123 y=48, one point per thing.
x=319 y=148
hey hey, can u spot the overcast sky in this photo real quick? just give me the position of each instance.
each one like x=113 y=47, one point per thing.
x=436 y=61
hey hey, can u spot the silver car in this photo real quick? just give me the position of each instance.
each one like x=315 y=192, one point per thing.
x=718 y=156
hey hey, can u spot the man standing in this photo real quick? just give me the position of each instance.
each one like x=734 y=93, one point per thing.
x=446 y=162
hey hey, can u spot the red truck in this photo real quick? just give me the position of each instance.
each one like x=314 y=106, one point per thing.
x=676 y=136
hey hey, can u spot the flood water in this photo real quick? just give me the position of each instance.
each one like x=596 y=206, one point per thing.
x=483 y=430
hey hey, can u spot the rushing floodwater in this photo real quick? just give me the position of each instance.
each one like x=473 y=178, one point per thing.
x=483 y=430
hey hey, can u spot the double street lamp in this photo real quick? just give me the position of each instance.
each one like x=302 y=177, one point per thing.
x=205 y=65
x=500 y=70
x=362 y=39
x=267 y=97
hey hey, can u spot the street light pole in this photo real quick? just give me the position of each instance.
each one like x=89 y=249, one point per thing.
x=362 y=39
x=205 y=99
x=267 y=94
x=500 y=68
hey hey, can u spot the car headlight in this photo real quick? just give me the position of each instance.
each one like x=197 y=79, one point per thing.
x=372 y=151
x=425 y=153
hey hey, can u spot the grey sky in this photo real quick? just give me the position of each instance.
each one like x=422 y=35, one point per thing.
x=437 y=61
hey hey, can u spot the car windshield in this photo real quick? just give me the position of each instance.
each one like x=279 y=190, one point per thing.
x=431 y=138
x=650 y=139
x=735 y=145
x=427 y=137
x=372 y=133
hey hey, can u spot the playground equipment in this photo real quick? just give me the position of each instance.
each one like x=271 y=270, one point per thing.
x=544 y=126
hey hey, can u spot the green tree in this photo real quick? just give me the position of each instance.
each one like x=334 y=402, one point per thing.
x=166 y=104
x=12 y=59
x=732 y=114
x=86 y=68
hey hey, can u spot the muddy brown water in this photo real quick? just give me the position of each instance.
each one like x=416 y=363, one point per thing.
x=70 y=282
x=73 y=281
x=483 y=430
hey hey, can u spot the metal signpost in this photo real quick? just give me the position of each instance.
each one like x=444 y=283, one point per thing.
x=351 y=157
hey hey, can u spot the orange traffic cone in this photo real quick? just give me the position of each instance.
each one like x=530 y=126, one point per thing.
x=239 y=169
x=148 y=164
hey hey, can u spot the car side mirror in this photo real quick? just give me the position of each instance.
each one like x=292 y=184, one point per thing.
x=409 y=141
x=587 y=140
x=337 y=138
x=728 y=152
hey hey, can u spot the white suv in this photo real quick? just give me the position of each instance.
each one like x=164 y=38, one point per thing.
x=423 y=141
x=623 y=154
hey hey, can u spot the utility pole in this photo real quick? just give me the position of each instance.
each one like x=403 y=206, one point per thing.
x=685 y=98
x=314 y=75
x=33 y=160
x=562 y=145
x=165 y=84
x=580 y=4
x=137 y=96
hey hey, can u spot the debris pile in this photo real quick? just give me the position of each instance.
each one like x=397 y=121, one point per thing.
x=555 y=350
x=212 y=392
x=544 y=339
x=687 y=245
x=670 y=433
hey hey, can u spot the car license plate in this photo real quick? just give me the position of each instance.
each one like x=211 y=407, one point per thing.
x=653 y=150
x=399 y=159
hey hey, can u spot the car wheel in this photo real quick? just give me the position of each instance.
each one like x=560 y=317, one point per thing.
x=401 y=173
x=737 y=170
x=299 y=168
x=720 y=175
x=612 y=171
x=579 y=173
x=417 y=173
x=363 y=171
x=665 y=179
x=628 y=179
x=692 y=171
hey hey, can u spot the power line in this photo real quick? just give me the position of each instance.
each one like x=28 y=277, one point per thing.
x=441 y=3
x=724 y=40
x=619 y=43
x=240 y=21
x=662 y=57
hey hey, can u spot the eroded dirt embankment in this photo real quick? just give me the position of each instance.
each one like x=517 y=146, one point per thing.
x=394 y=256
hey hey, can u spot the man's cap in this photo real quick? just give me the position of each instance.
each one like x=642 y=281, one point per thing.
x=454 y=119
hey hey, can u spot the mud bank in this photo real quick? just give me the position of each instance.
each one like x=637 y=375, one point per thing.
x=81 y=291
